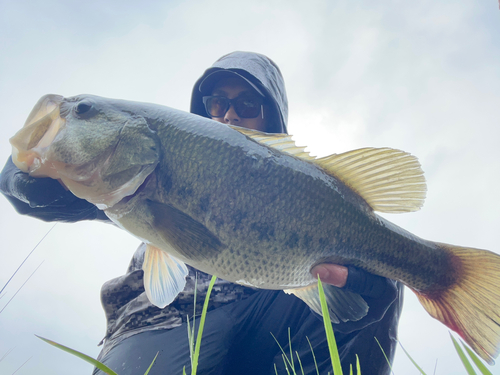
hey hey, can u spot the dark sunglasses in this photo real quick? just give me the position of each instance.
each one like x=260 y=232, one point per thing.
x=244 y=106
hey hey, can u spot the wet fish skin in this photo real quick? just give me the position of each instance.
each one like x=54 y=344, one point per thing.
x=219 y=199
x=245 y=202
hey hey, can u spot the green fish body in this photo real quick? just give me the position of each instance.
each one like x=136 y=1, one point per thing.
x=254 y=209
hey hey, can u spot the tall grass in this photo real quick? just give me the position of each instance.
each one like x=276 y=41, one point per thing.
x=289 y=361
x=196 y=352
x=330 y=337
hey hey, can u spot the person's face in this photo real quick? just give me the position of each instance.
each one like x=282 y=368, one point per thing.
x=232 y=88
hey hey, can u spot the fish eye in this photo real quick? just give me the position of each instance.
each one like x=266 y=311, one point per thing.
x=85 y=109
x=82 y=108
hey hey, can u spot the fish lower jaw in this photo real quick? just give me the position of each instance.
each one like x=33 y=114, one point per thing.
x=23 y=161
x=34 y=164
x=27 y=161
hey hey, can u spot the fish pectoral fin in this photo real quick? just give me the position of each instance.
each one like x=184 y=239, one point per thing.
x=164 y=276
x=389 y=180
x=187 y=236
x=343 y=305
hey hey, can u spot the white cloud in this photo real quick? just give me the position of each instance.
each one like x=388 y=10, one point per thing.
x=420 y=76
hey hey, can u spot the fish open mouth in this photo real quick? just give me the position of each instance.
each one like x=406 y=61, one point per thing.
x=29 y=145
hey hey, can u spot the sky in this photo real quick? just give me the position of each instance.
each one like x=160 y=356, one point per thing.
x=421 y=76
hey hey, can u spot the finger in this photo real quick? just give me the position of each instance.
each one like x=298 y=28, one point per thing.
x=333 y=274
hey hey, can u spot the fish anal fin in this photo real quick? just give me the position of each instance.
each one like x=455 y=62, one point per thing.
x=164 y=276
x=471 y=307
x=343 y=305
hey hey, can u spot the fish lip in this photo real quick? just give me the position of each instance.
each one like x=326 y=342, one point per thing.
x=44 y=103
x=30 y=143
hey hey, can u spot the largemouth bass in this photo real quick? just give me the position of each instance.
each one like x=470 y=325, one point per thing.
x=255 y=209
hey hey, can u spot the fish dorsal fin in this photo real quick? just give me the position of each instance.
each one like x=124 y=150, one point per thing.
x=281 y=142
x=164 y=276
x=388 y=180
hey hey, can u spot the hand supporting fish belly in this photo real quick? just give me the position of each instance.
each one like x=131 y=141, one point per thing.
x=255 y=209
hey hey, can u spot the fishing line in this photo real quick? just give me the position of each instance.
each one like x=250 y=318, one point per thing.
x=6 y=354
x=25 y=259
x=21 y=286
x=22 y=365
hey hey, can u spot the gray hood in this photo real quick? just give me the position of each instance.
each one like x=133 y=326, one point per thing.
x=262 y=73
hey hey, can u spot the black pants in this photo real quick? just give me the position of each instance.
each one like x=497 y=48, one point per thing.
x=237 y=340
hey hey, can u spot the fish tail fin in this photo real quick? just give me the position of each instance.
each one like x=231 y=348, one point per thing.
x=471 y=306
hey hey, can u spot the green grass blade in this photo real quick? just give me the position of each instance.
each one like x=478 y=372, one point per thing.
x=300 y=363
x=152 y=363
x=358 y=366
x=291 y=353
x=286 y=361
x=85 y=357
x=412 y=361
x=383 y=352
x=191 y=331
x=314 y=357
x=200 y=328
x=330 y=337
x=480 y=365
x=190 y=339
x=463 y=358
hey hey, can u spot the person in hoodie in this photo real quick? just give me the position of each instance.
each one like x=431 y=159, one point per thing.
x=244 y=325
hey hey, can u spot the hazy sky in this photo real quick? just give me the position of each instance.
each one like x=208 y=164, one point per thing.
x=422 y=76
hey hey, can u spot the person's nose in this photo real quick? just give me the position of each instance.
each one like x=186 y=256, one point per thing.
x=231 y=116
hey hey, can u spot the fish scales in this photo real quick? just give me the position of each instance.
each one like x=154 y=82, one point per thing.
x=245 y=201
x=255 y=209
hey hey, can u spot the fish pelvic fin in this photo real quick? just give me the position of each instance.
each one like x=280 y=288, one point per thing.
x=389 y=180
x=164 y=276
x=343 y=305
x=471 y=307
